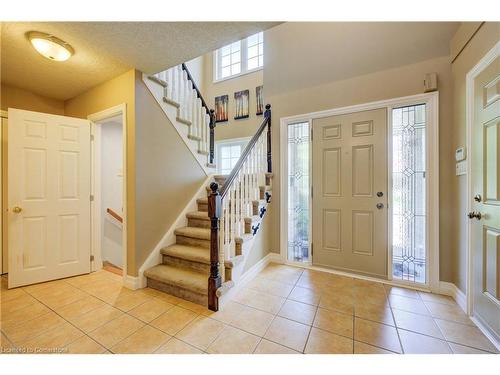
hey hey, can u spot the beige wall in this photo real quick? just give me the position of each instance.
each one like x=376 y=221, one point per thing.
x=116 y=91
x=233 y=128
x=167 y=174
x=13 y=97
x=472 y=50
x=386 y=84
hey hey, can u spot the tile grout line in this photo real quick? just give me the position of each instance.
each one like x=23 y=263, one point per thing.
x=395 y=325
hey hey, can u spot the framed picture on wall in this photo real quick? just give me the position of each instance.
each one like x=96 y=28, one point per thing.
x=241 y=104
x=221 y=108
x=259 y=99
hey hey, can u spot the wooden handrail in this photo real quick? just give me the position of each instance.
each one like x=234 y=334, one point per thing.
x=198 y=92
x=215 y=208
x=248 y=149
x=114 y=214
x=209 y=111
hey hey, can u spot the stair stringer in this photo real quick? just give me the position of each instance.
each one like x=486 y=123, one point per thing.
x=169 y=238
x=172 y=113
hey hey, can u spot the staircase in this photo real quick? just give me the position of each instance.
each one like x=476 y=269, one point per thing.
x=185 y=265
x=209 y=254
x=177 y=94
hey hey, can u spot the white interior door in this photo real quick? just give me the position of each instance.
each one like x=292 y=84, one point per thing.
x=48 y=197
x=349 y=227
x=485 y=215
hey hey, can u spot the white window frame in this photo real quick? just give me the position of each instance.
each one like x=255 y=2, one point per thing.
x=228 y=142
x=432 y=185
x=243 y=59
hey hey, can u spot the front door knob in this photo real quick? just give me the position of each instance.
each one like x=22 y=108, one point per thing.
x=17 y=210
x=478 y=198
x=476 y=215
x=380 y=206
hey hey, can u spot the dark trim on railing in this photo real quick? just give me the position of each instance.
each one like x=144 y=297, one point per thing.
x=215 y=280
x=213 y=123
x=198 y=92
x=246 y=152
x=215 y=206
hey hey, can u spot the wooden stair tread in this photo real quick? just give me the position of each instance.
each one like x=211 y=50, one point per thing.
x=189 y=253
x=193 y=232
x=180 y=277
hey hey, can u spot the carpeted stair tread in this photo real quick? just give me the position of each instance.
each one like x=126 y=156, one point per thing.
x=200 y=215
x=202 y=200
x=190 y=253
x=194 y=232
x=180 y=277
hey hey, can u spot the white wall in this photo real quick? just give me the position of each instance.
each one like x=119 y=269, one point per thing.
x=112 y=191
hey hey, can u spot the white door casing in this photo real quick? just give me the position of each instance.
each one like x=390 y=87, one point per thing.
x=485 y=209
x=350 y=192
x=49 y=186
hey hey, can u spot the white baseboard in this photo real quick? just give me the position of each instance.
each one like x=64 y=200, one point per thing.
x=132 y=282
x=168 y=238
x=450 y=289
x=250 y=274
x=453 y=291
x=487 y=331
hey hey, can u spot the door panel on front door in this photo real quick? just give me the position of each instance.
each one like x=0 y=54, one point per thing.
x=49 y=197
x=485 y=176
x=349 y=168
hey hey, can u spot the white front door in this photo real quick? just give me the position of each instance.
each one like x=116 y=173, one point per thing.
x=485 y=215
x=349 y=222
x=48 y=197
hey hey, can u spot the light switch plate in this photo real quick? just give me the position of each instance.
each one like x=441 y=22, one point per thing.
x=461 y=168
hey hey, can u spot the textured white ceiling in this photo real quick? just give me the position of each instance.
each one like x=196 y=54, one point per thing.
x=104 y=50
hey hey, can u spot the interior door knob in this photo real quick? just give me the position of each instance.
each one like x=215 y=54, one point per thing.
x=17 y=210
x=478 y=198
x=476 y=215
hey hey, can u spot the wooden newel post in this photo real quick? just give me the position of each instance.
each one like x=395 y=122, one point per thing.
x=267 y=115
x=214 y=212
x=212 y=137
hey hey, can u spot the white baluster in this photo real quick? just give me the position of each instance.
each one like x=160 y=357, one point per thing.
x=187 y=113
x=207 y=131
x=175 y=83
x=169 y=83
x=199 y=122
x=232 y=213
x=181 y=91
x=190 y=104
x=226 y=227
x=201 y=114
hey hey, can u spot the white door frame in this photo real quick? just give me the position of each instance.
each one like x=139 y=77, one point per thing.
x=3 y=266
x=432 y=181
x=96 y=217
x=469 y=109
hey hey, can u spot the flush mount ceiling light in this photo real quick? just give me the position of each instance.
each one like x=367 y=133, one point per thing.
x=50 y=47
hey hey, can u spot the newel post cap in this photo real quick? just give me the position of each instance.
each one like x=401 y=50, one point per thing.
x=214 y=186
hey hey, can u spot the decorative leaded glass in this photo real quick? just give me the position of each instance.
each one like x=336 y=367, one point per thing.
x=298 y=192
x=408 y=194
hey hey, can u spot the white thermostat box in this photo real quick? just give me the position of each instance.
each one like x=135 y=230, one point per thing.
x=460 y=154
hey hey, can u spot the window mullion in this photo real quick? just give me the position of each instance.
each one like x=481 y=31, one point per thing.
x=244 y=54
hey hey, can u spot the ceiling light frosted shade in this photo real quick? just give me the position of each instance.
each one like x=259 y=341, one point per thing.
x=50 y=47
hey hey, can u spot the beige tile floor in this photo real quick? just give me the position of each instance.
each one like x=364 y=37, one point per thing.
x=283 y=310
